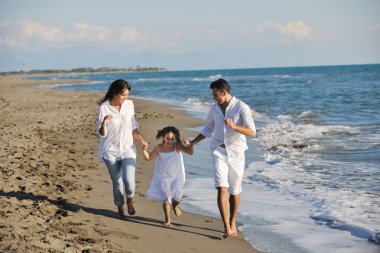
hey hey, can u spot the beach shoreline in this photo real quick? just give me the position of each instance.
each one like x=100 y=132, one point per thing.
x=54 y=193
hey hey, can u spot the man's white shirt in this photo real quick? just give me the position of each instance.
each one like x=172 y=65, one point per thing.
x=215 y=127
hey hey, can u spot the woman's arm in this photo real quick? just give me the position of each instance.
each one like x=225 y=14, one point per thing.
x=103 y=129
x=136 y=134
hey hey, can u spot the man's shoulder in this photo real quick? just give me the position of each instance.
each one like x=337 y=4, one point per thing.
x=239 y=103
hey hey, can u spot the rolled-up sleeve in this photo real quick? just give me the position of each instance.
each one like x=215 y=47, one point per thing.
x=101 y=115
x=135 y=125
x=209 y=126
x=246 y=116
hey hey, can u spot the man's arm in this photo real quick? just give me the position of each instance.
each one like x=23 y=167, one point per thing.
x=197 y=139
x=240 y=129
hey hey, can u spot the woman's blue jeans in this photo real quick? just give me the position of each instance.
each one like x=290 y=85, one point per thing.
x=122 y=173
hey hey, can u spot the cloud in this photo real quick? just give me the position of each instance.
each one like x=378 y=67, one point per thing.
x=82 y=31
x=294 y=30
x=38 y=31
x=128 y=34
x=26 y=33
x=374 y=27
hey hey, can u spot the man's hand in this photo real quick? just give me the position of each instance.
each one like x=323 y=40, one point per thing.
x=230 y=123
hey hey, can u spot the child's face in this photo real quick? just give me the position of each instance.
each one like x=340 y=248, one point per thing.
x=169 y=139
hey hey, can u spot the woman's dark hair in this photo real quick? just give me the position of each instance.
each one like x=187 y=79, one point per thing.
x=116 y=87
x=166 y=130
x=220 y=85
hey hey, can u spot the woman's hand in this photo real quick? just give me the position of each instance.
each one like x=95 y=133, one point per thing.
x=144 y=145
x=106 y=119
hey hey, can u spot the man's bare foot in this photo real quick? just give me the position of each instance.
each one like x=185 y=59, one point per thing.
x=233 y=230
x=176 y=209
x=131 y=209
x=227 y=233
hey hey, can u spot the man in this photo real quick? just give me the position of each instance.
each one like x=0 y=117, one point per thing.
x=228 y=122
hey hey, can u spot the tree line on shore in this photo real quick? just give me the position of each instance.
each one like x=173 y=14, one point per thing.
x=84 y=70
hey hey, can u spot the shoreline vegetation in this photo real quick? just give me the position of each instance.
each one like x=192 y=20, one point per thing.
x=84 y=70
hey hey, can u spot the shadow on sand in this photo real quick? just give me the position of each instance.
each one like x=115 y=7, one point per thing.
x=64 y=205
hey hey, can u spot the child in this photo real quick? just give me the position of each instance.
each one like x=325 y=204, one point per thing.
x=169 y=171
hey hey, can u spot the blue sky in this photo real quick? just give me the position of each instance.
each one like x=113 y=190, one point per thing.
x=187 y=35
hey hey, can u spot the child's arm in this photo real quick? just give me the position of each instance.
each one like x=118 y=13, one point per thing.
x=186 y=147
x=151 y=155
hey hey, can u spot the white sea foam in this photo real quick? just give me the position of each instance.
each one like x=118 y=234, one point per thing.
x=306 y=114
x=196 y=103
x=275 y=222
x=215 y=77
x=61 y=85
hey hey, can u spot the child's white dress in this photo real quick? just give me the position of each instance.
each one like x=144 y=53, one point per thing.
x=168 y=178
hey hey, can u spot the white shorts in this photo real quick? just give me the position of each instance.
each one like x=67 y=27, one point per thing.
x=228 y=171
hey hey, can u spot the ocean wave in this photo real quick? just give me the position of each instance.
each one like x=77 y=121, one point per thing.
x=215 y=77
x=356 y=211
x=60 y=85
x=307 y=115
x=196 y=103
x=330 y=221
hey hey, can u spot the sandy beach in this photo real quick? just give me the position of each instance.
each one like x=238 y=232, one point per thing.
x=56 y=197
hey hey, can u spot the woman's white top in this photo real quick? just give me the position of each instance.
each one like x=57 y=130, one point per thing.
x=117 y=143
x=168 y=178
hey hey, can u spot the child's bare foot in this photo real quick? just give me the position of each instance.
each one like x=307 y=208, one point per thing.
x=131 y=209
x=176 y=209
x=167 y=224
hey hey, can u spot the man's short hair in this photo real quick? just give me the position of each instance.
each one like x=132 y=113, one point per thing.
x=220 y=85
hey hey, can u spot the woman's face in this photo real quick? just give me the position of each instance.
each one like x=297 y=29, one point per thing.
x=121 y=97
x=169 y=139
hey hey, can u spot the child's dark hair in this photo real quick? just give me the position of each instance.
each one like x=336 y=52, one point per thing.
x=116 y=87
x=166 y=130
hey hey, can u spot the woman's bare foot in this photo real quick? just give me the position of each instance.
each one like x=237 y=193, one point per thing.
x=120 y=210
x=131 y=209
x=176 y=209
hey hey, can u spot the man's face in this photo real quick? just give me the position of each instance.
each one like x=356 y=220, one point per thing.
x=219 y=95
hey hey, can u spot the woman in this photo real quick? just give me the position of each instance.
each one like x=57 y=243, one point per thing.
x=117 y=127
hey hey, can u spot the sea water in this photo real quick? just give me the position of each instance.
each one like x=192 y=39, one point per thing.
x=312 y=177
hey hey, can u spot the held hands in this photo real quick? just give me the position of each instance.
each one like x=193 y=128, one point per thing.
x=144 y=145
x=186 y=142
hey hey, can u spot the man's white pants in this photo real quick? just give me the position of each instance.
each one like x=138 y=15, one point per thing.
x=228 y=171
